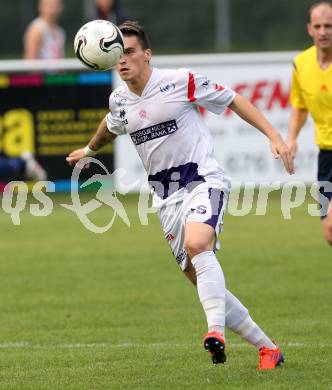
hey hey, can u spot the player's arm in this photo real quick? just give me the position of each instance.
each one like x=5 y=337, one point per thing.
x=101 y=138
x=297 y=120
x=32 y=42
x=248 y=112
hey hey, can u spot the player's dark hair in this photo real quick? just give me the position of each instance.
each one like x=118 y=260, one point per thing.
x=315 y=5
x=133 y=28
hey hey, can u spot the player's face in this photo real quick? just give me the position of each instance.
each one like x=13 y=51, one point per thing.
x=134 y=61
x=320 y=27
x=50 y=8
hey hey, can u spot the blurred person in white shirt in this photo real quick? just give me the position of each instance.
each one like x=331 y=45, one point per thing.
x=44 y=38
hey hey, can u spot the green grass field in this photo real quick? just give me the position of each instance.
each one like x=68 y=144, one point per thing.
x=87 y=311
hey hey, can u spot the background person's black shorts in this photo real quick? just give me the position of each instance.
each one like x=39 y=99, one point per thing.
x=325 y=174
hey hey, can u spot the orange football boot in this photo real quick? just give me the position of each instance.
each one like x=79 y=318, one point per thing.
x=270 y=358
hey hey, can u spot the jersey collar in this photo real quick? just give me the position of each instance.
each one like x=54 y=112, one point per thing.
x=148 y=86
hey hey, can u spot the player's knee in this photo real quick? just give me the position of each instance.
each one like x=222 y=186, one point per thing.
x=195 y=246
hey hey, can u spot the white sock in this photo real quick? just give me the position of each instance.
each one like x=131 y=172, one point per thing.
x=239 y=321
x=211 y=289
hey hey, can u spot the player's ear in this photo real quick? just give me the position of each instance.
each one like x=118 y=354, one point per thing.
x=309 y=29
x=147 y=55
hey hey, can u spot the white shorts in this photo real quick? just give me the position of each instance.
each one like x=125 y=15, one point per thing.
x=204 y=204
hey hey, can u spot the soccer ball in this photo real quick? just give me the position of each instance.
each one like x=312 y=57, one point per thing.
x=99 y=44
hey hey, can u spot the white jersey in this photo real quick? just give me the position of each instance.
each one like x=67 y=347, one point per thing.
x=168 y=132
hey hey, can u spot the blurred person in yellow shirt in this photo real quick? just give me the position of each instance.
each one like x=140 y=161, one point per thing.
x=44 y=38
x=311 y=92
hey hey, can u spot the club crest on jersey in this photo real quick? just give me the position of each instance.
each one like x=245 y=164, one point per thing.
x=142 y=114
x=167 y=88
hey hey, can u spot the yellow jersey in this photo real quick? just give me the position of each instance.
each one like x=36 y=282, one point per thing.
x=312 y=90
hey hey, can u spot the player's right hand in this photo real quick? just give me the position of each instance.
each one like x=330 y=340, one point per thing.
x=292 y=144
x=75 y=156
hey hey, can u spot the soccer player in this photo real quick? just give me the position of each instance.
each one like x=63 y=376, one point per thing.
x=312 y=92
x=158 y=109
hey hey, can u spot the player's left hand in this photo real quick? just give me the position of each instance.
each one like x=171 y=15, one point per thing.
x=75 y=156
x=280 y=149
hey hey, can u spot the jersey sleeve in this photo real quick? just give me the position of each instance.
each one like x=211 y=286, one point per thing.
x=296 y=96
x=212 y=96
x=114 y=124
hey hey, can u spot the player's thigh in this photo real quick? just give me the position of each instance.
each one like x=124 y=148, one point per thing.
x=198 y=237
x=204 y=219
